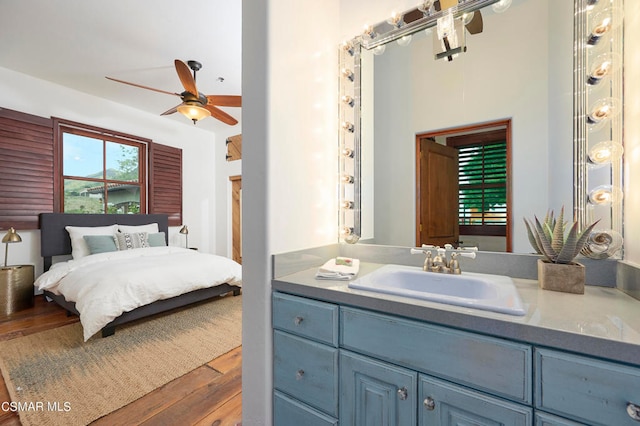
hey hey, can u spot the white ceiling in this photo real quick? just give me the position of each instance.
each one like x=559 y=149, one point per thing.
x=76 y=43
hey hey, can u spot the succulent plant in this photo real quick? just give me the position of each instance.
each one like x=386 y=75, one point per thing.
x=548 y=238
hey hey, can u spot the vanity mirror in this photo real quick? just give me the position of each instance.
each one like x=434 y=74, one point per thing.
x=519 y=68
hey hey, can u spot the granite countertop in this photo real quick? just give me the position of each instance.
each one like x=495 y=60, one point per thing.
x=603 y=322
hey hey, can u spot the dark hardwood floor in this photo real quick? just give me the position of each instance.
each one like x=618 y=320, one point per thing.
x=209 y=395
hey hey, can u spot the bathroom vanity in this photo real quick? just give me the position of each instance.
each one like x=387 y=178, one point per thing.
x=351 y=357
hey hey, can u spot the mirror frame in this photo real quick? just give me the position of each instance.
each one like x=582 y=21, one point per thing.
x=383 y=32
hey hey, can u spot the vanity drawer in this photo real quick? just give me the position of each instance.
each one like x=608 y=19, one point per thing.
x=307 y=318
x=586 y=389
x=306 y=370
x=492 y=365
x=288 y=411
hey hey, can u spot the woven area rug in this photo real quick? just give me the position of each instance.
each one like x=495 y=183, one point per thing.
x=59 y=380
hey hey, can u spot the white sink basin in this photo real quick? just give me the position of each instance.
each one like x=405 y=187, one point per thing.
x=495 y=293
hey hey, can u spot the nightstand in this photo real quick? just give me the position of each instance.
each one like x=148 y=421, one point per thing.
x=16 y=288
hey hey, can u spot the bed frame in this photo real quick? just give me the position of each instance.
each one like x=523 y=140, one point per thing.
x=55 y=241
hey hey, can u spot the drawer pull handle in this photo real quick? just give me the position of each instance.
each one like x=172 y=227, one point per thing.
x=633 y=411
x=298 y=320
x=299 y=374
x=429 y=404
x=403 y=393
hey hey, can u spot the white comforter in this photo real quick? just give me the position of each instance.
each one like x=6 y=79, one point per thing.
x=105 y=285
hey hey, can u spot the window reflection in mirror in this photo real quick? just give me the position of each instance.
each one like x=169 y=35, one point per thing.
x=463 y=187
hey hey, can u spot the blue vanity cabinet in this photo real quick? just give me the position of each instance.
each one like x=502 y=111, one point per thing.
x=587 y=390
x=444 y=403
x=546 y=419
x=305 y=361
x=494 y=366
x=376 y=393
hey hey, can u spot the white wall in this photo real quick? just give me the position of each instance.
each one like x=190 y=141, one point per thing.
x=200 y=208
x=289 y=162
x=632 y=133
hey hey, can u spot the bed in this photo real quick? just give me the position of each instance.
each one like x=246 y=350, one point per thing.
x=56 y=241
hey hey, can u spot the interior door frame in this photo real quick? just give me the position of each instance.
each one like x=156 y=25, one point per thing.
x=460 y=130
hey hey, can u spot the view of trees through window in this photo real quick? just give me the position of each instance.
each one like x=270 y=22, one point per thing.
x=483 y=184
x=101 y=175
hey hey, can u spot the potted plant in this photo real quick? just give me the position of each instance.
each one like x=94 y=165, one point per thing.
x=557 y=269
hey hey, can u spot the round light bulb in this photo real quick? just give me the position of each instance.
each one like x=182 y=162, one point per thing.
x=604 y=109
x=605 y=195
x=404 y=40
x=605 y=152
x=379 y=50
x=501 y=6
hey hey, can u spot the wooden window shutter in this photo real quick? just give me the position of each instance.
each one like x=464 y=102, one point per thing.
x=26 y=169
x=165 y=182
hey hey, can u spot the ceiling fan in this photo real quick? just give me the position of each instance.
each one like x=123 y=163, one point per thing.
x=195 y=105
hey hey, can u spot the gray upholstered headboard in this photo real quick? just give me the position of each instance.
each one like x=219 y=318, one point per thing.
x=55 y=241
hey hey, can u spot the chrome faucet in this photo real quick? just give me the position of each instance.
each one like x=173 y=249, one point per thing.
x=439 y=263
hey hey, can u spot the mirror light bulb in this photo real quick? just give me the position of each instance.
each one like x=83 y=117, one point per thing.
x=348 y=100
x=404 y=40
x=425 y=7
x=601 y=23
x=347 y=179
x=606 y=152
x=396 y=20
x=369 y=32
x=347 y=205
x=605 y=195
x=602 y=110
x=347 y=152
x=501 y=6
x=379 y=50
x=603 y=66
x=347 y=46
x=349 y=127
x=348 y=74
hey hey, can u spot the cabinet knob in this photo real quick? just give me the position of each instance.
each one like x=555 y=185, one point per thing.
x=298 y=320
x=299 y=374
x=429 y=404
x=403 y=393
x=633 y=411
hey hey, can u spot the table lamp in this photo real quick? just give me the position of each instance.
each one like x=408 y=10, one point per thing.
x=10 y=238
x=184 y=230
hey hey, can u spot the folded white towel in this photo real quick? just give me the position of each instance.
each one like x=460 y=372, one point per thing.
x=339 y=268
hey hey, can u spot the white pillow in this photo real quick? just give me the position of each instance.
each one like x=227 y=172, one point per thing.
x=151 y=228
x=79 y=247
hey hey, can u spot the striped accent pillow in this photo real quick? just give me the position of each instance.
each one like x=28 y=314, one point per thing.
x=134 y=240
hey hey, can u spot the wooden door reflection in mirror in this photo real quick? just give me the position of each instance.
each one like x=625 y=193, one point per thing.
x=463 y=186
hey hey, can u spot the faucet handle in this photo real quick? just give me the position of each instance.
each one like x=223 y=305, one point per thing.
x=416 y=251
x=471 y=254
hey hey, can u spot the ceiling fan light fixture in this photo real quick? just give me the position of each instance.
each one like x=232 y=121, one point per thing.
x=193 y=111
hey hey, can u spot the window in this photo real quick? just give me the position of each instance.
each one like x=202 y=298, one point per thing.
x=482 y=182
x=101 y=171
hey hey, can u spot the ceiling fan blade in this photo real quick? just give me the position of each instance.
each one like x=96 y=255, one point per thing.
x=186 y=78
x=171 y=111
x=141 y=86
x=224 y=100
x=221 y=115
x=475 y=26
